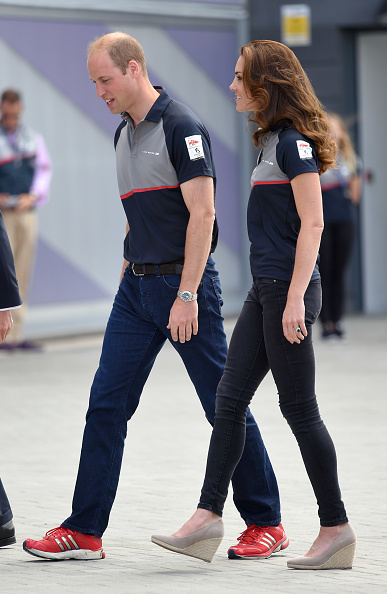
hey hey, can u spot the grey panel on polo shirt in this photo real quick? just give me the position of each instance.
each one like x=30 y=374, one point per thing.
x=142 y=158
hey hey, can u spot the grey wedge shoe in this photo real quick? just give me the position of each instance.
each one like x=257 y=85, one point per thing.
x=202 y=544
x=339 y=555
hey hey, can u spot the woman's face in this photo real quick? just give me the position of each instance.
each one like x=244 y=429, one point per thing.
x=336 y=130
x=244 y=101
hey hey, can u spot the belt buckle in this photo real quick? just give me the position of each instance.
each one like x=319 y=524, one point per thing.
x=135 y=273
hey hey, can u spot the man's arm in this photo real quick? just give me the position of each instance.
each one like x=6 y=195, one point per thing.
x=40 y=187
x=198 y=194
x=9 y=291
x=125 y=261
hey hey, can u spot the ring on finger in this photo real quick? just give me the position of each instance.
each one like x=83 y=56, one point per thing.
x=298 y=329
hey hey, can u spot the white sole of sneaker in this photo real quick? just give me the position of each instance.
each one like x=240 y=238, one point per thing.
x=81 y=554
x=280 y=547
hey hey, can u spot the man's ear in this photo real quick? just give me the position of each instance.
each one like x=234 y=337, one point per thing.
x=133 y=67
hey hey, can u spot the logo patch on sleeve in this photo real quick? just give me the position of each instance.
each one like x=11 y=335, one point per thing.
x=195 y=147
x=304 y=149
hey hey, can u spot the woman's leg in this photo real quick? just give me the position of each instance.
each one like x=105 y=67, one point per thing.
x=293 y=369
x=246 y=366
x=326 y=265
x=342 y=247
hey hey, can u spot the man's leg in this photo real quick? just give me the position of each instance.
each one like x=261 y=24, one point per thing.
x=130 y=346
x=255 y=487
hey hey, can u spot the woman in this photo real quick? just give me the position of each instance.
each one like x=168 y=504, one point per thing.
x=341 y=188
x=273 y=331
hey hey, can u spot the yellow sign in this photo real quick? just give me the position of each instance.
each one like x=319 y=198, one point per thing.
x=295 y=24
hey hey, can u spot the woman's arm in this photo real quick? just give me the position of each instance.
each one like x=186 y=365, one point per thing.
x=354 y=188
x=307 y=196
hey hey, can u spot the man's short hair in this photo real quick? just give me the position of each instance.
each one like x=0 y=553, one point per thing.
x=11 y=96
x=121 y=48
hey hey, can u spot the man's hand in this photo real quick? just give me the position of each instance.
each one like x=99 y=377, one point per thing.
x=5 y=324
x=3 y=199
x=25 y=202
x=183 y=320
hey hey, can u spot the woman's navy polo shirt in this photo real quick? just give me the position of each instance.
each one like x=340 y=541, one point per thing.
x=272 y=219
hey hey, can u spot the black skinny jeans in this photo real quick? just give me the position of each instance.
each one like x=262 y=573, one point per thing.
x=335 y=252
x=257 y=346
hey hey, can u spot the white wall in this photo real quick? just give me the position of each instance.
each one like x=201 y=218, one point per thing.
x=372 y=95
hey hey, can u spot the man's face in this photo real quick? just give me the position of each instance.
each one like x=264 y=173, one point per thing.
x=10 y=115
x=115 y=88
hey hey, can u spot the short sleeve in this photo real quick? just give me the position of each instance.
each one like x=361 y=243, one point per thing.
x=189 y=149
x=296 y=154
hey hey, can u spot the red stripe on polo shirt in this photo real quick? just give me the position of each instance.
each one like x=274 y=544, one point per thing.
x=8 y=160
x=148 y=190
x=332 y=186
x=265 y=183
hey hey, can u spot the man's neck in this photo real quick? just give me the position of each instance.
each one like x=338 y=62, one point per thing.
x=148 y=97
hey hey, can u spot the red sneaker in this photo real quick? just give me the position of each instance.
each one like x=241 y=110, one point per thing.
x=259 y=542
x=61 y=543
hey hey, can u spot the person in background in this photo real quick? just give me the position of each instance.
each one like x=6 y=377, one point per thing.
x=25 y=175
x=341 y=190
x=274 y=330
x=10 y=302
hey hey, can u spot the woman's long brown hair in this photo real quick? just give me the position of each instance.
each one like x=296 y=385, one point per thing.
x=274 y=77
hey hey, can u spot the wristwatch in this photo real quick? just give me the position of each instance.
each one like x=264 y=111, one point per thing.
x=187 y=296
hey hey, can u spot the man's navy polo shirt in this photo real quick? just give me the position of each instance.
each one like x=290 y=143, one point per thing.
x=167 y=148
x=272 y=218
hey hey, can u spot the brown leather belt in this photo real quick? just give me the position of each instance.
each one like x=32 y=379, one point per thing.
x=169 y=268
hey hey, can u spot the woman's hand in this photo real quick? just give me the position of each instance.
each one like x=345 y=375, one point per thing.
x=307 y=196
x=293 y=320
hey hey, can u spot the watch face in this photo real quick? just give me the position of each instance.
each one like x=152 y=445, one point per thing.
x=186 y=296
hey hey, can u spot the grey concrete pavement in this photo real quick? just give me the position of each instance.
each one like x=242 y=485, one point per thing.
x=43 y=403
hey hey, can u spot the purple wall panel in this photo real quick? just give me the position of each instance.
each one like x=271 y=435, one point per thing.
x=58 y=51
x=227 y=194
x=214 y=51
x=55 y=280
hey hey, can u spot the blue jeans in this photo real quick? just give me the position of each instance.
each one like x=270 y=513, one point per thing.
x=136 y=331
x=257 y=346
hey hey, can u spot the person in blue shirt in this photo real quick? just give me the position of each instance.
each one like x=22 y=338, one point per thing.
x=274 y=330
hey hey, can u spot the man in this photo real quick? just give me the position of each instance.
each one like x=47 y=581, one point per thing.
x=9 y=301
x=25 y=173
x=169 y=290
